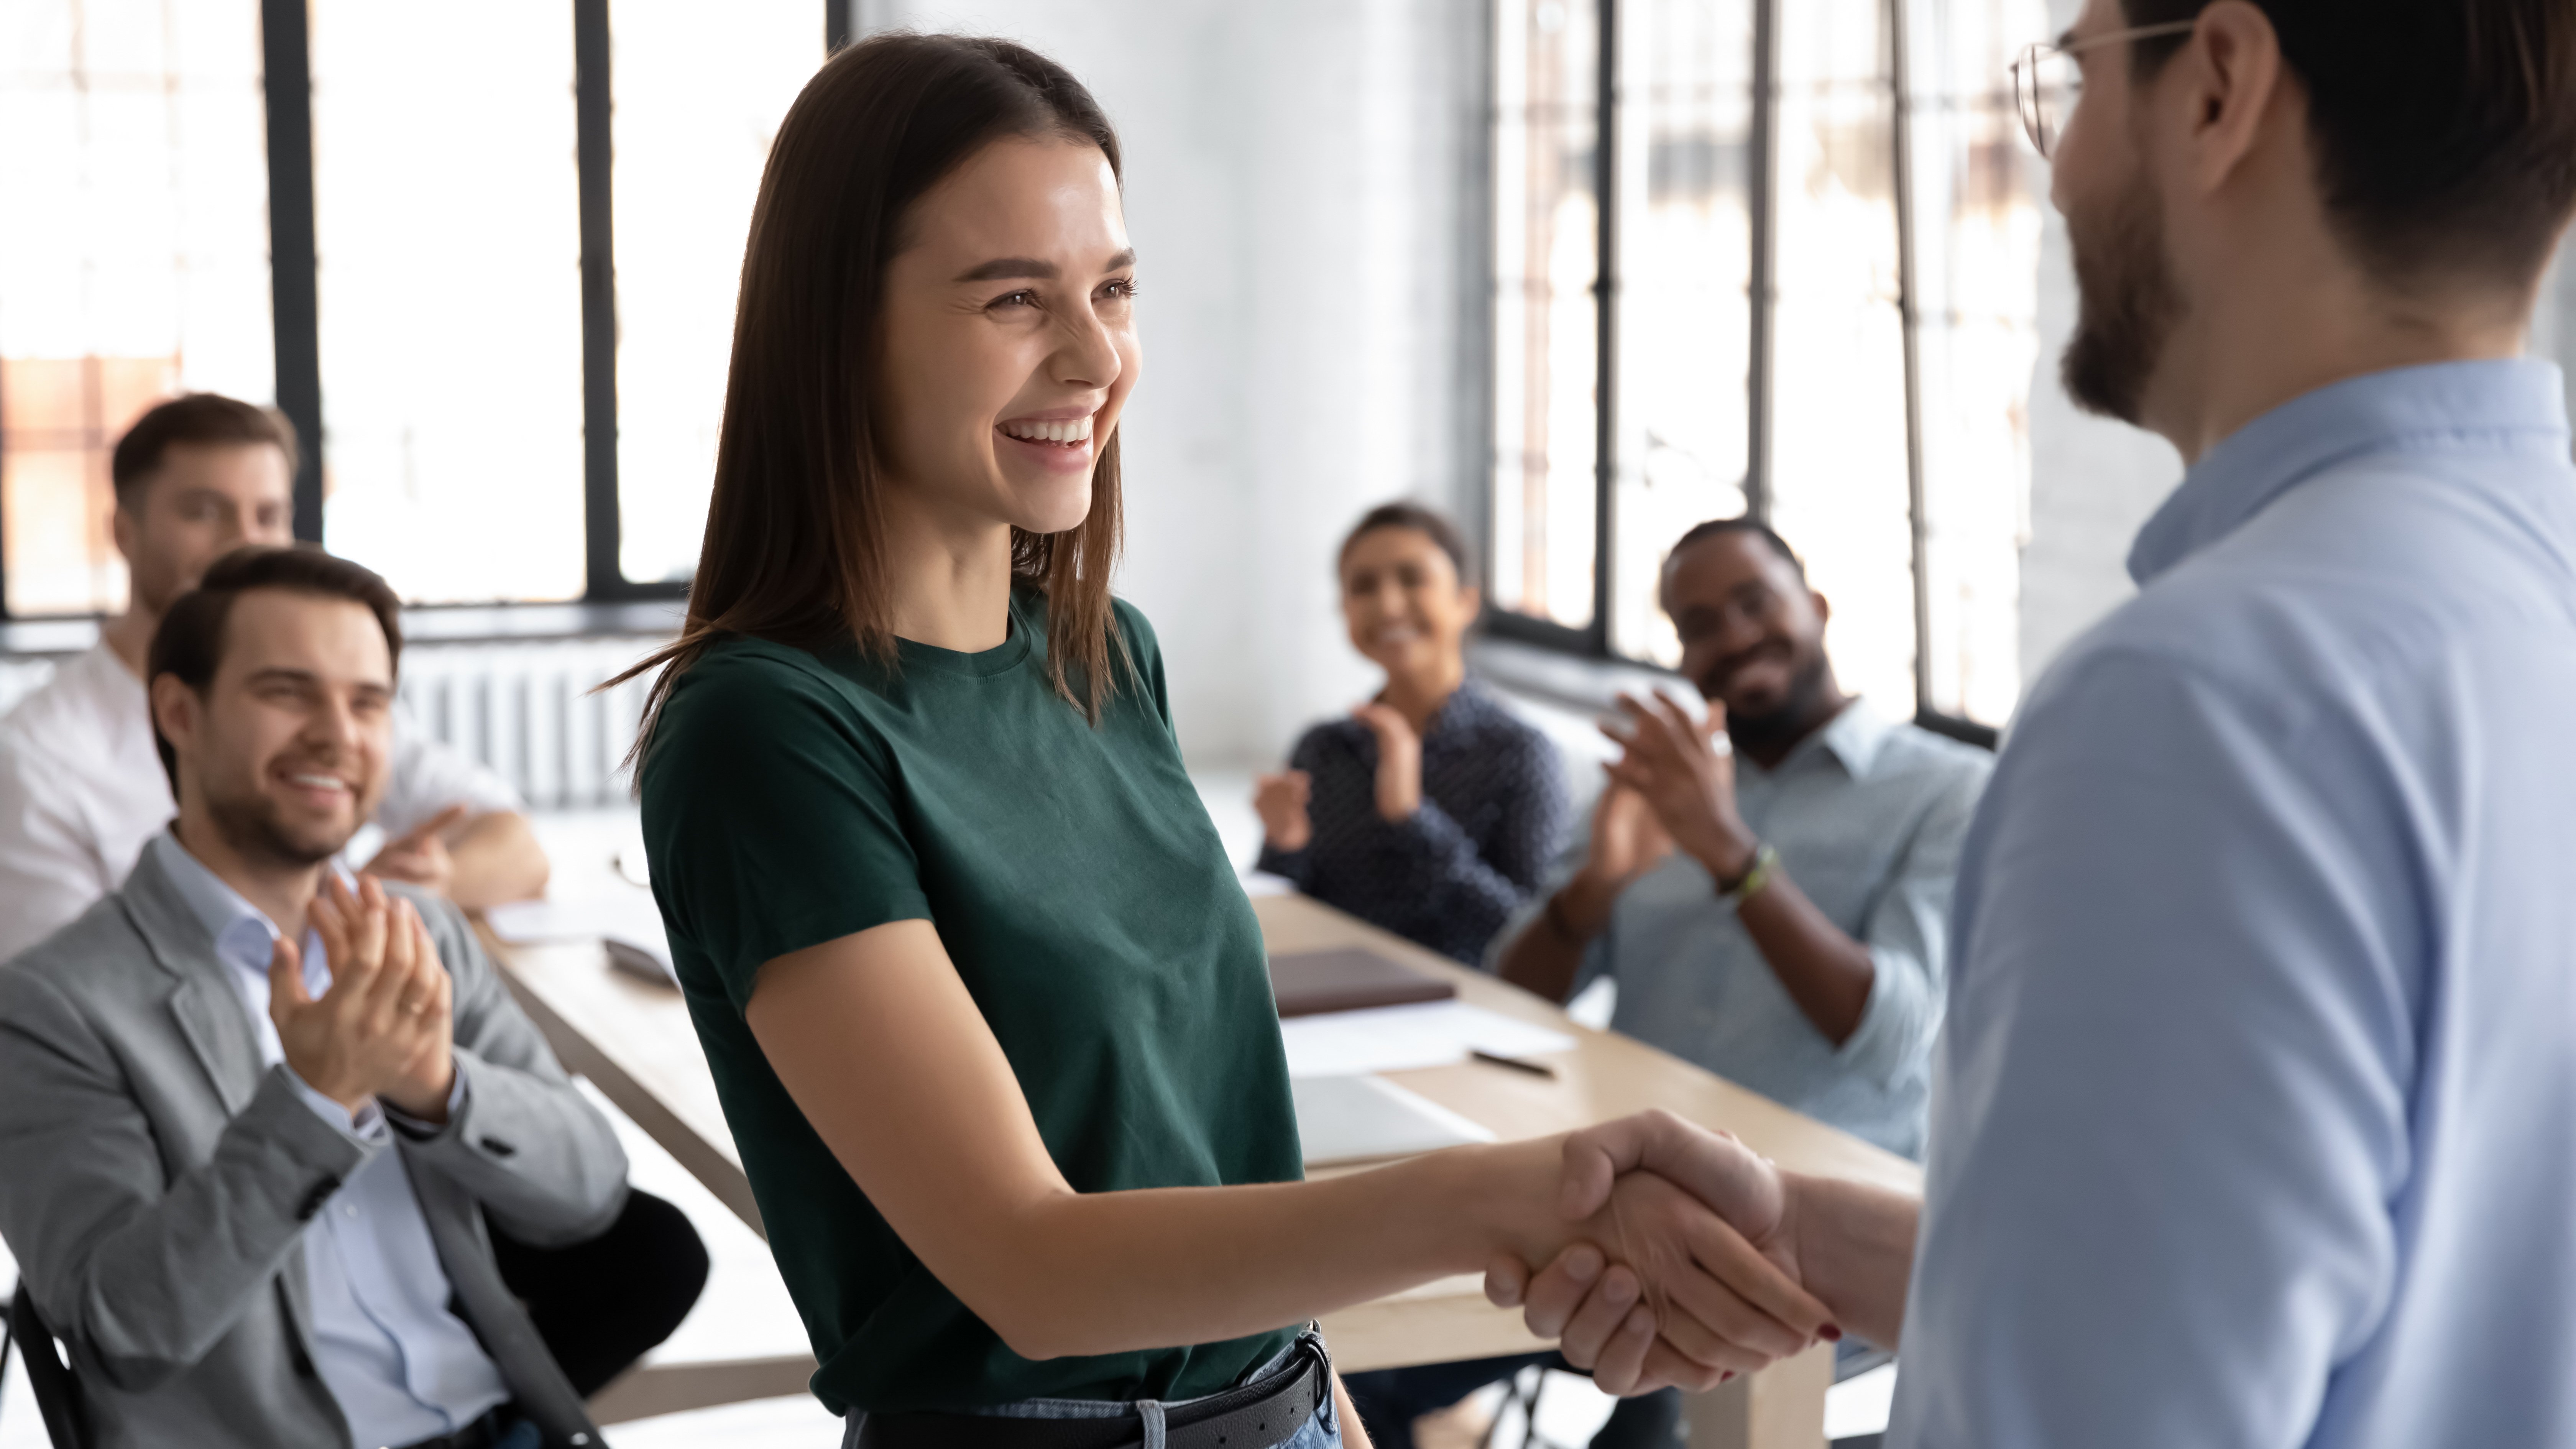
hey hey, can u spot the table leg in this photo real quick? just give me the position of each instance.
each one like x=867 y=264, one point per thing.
x=1782 y=1407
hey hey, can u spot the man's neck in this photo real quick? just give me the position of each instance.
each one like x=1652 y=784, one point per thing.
x=283 y=893
x=129 y=636
x=2289 y=326
x=1769 y=750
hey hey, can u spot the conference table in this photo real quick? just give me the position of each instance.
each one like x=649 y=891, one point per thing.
x=634 y=1040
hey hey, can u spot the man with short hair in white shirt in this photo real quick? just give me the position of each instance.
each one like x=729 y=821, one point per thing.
x=80 y=788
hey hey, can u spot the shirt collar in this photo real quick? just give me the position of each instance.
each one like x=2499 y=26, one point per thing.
x=243 y=934
x=2515 y=406
x=1853 y=737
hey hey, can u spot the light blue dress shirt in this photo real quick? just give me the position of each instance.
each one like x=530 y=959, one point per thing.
x=402 y=1365
x=2255 y=1121
x=1867 y=814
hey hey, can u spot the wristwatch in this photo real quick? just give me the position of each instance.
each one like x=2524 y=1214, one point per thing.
x=1756 y=875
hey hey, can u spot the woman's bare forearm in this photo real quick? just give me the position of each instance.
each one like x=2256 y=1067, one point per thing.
x=1855 y=1250
x=1093 y=1273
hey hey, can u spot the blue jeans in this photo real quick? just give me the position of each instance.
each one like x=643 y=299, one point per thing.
x=1324 y=1431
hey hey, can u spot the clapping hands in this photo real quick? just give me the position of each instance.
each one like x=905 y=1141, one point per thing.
x=384 y=1027
x=1705 y=1282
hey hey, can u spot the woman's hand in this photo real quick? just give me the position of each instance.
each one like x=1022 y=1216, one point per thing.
x=1399 y=761
x=1586 y=1302
x=1281 y=800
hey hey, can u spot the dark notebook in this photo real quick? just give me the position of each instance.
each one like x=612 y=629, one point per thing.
x=1347 y=980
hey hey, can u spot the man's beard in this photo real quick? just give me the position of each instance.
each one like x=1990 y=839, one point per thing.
x=1775 y=730
x=2128 y=304
x=250 y=826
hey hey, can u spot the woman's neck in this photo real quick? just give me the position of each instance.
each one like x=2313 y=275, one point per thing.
x=1418 y=695
x=951 y=576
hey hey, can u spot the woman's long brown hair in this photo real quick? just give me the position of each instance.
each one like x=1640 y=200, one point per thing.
x=795 y=543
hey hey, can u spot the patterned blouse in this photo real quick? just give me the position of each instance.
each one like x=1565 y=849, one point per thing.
x=1493 y=809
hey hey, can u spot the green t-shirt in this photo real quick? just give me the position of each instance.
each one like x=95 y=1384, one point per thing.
x=794 y=797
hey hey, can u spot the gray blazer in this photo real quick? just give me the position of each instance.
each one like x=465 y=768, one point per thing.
x=155 y=1181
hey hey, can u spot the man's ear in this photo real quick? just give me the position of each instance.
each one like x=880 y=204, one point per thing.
x=1473 y=597
x=2228 y=75
x=1824 y=606
x=176 y=711
x=128 y=532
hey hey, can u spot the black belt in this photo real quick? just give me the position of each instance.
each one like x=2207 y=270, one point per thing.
x=483 y=1433
x=1263 y=1413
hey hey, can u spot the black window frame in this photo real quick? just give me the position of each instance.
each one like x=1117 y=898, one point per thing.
x=1593 y=641
x=286 y=88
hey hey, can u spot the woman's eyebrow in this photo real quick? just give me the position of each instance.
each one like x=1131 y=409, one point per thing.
x=1033 y=269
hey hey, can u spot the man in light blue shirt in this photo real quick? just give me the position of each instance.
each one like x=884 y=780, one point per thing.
x=2255 y=1123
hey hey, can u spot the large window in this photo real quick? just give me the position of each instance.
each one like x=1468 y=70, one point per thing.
x=133 y=262
x=483 y=255
x=1754 y=254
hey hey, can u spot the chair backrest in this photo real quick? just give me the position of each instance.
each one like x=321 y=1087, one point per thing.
x=57 y=1396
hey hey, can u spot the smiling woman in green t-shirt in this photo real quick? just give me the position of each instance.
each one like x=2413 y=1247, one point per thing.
x=985 y=1004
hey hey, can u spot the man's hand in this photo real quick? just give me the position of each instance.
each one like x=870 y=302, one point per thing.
x=1281 y=801
x=1627 y=839
x=1585 y=1303
x=1676 y=767
x=384 y=1028
x=1399 y=761
x=419 y=855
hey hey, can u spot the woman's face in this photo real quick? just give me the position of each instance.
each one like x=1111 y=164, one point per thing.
x=1401 y=597
x=1010 y=337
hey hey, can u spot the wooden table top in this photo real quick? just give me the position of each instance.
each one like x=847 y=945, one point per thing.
x=635 y=1040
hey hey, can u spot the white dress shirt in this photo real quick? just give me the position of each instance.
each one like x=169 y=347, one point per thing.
x=402 y=1365
x=81 y=790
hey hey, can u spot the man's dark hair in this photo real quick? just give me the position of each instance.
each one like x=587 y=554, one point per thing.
x=197 y=417
x=190 y=641
x=1741 y=523
x=1427 y=522
x=2445 y=130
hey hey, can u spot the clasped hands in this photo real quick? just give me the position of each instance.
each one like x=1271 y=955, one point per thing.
x=1686 y=1270
x=384 y=1028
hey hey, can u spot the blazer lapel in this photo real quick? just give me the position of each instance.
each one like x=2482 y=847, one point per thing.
x=205 y=1005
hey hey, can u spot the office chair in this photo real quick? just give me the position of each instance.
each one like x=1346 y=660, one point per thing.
x=57 y=1397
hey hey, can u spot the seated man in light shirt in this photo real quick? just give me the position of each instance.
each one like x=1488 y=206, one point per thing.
x=253 y=1110
x=80 y=791
x=1778 y=915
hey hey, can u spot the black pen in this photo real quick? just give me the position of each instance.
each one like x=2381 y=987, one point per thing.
x=1535 y=1069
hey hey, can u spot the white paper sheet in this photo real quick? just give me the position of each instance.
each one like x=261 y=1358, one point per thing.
x=1401 y=1038
x=629 y=918
x=1354 y=1119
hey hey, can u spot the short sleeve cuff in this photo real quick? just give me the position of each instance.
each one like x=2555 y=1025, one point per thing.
x=1895 y=1023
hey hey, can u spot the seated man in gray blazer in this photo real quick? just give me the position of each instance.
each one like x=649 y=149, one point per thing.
x=253 y=1114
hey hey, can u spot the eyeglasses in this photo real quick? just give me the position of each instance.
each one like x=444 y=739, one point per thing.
x=2047 y=82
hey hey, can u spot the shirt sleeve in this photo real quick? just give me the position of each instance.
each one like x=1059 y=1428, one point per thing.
x=427 y=777
x=772 y=818
x=2170 y=1106
x=1907 y=934
x=49 y=866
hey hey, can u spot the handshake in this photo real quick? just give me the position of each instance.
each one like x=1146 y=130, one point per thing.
x=1695 y=1259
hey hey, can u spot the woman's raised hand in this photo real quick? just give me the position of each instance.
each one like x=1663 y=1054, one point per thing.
x=1399 y=761
x=1281 y=801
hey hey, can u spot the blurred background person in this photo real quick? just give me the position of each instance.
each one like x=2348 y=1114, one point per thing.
x=80 y=787
x=1431 y=810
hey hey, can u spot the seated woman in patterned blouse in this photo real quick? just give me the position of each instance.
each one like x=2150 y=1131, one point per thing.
x=1430 y=810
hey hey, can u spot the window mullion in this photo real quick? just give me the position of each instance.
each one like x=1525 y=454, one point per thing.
x=603 y=577
x=286 y=85
x=1764 y=186
x=1605 y=298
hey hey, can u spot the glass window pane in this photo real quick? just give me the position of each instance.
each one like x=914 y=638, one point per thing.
x=134 y=263
x=446 y=215
x=698 y=103
x=1685 y=317
x=1546 y=336
x=1976 y=191
x=1839 y=471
